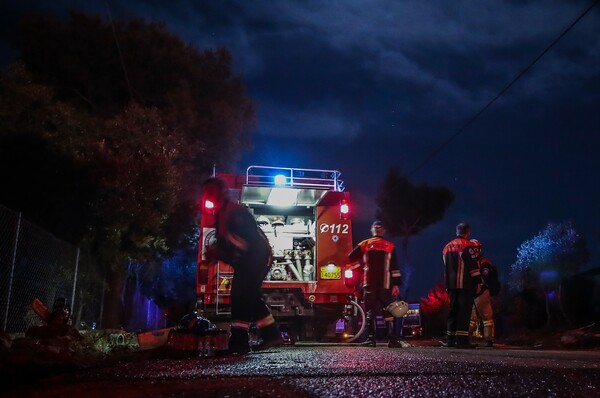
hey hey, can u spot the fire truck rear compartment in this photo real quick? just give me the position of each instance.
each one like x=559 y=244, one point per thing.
x=310 y=235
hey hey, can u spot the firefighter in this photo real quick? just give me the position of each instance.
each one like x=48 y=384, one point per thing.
x=381 y=280
x=482 y=308
x=463 y=282
x=243 y=245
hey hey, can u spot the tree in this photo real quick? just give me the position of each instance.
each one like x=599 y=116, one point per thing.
x=137 y=118
x=102 y=67
x=39 y=176
x=407 y=209
x=544 y=261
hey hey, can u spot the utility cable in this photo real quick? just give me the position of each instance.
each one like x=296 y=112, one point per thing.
x=122 y=61
x=504 y=90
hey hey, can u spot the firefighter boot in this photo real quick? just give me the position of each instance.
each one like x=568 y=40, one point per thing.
x=463 y=342
x=451 y=342
x=394 y=342
x=238 y=342
x=271 y=337
x=369 y=342
x=393 y=338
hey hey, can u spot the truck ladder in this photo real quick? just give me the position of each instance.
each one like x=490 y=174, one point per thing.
x=223 y=292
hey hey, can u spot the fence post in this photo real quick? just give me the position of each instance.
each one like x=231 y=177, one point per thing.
x=100 y=323
x=12 y=272
x=75 y=283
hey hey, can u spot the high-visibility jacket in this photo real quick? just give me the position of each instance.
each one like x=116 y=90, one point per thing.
x=379 y=262
x=460 y=264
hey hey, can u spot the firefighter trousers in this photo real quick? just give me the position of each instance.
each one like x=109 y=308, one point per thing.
x=247 y=305
x=375 y=301
x=461 y=305
x=246 y=296
x=483 y=312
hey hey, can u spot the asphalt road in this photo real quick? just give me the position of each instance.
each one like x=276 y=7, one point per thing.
x=337 y=371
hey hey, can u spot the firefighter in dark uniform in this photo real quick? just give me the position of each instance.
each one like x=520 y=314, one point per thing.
x=381 y=280
x=482 y=309
x=241 y=243
x=463 y=282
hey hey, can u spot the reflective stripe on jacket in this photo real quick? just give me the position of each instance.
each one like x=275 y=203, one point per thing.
x=380 y=265
x=460 y=264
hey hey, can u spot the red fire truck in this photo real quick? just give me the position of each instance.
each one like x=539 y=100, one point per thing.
x=305 y=214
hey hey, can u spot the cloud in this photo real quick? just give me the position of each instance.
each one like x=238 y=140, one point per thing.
x=314 y=121
x=427 y=43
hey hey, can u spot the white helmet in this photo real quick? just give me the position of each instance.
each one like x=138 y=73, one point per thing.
x=278 y=220
x=262 y=220
x=297 y=221
x=476 y=243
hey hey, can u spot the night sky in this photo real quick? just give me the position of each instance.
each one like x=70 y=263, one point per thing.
x=360 y=86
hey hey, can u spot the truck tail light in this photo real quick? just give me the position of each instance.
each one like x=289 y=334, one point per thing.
x=350 y=278
x=208 y=206
x=344 y=210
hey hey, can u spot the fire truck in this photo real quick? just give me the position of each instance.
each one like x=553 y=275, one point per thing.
x=305 y=214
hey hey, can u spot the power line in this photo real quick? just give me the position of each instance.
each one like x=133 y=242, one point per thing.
x=444 y=144
x=114 y=32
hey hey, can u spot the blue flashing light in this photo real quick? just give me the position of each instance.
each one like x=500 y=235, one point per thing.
x=280 y=179
x=548 y=275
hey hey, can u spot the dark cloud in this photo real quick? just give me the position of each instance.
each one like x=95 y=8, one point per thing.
x=360 y=86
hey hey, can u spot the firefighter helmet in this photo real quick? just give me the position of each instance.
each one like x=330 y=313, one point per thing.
x=297 y=221
x=397 y=308
x=477 y=247
x=262 y=221
x=278 y=220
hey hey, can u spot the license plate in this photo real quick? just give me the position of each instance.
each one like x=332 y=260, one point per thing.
x=329 y=272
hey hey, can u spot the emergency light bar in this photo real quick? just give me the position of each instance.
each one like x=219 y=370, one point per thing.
x=293 y=177
x=280 y=179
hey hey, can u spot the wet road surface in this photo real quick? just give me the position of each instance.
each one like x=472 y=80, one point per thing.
x=338 y=371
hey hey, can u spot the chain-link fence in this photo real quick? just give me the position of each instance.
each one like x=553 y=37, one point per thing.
x=35 y=264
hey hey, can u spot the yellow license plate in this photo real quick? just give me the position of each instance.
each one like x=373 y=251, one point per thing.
x=329 y=272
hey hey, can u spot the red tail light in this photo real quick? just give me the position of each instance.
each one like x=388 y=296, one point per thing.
x=350 y=278
x=344 y=210
x=208 y=206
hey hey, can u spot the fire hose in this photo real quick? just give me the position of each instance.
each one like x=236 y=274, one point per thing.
x=363 y=321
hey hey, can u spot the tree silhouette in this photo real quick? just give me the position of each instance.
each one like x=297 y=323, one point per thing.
x=407 y=209
x=544 y=261
x=135 y=118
